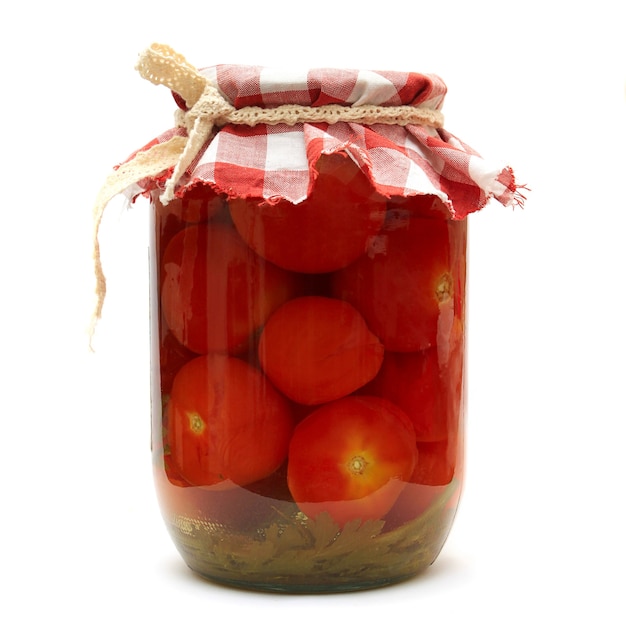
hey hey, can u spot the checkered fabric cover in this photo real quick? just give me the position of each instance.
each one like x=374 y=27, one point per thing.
x=278 y=161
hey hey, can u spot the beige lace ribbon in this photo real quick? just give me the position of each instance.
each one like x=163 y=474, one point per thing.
x=208 y=110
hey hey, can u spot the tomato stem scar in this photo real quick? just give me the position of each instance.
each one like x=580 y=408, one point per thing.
x=196 y=423
x=357 y=465
x=444 y=288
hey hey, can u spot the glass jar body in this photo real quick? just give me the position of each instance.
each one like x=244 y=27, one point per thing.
x=308 y=383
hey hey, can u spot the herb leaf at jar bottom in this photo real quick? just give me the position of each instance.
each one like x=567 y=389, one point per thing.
x=297 y=553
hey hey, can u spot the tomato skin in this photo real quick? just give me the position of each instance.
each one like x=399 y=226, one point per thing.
x=215 y=292
x=416 y=383
x=405 y=284
x=437 y=462
x=318 y=349
x=226 y=422
x=325 y=232
x=351 y=458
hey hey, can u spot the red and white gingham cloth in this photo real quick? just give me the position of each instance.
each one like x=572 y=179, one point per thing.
x=277 y=161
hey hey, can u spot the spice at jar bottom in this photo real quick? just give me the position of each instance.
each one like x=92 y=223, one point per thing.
x=308 y=288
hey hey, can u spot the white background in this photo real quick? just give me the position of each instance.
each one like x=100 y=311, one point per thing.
x=539 y=537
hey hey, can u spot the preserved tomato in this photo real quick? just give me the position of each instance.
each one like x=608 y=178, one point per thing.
x=351 y=459
x=339 y=217
x=318 y=349
x=410 y=268
x=216 y=293
x=226 y=422
x=413 y=381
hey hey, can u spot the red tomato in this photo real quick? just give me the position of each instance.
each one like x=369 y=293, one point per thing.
x=351 y=458
x=317 y=349
x=226 y=422
x=325 y=232
x=437 y=462
x=416 y=383
x=216 y=293
x=405 y=284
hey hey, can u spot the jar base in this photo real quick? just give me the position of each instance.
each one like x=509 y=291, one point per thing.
x=303 y=556
x=309 y=589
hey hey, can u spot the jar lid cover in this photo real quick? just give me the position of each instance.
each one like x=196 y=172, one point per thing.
x=252 y=131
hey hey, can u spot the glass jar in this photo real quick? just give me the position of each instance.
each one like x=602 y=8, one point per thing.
x=308 y=285
x=308 y=418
